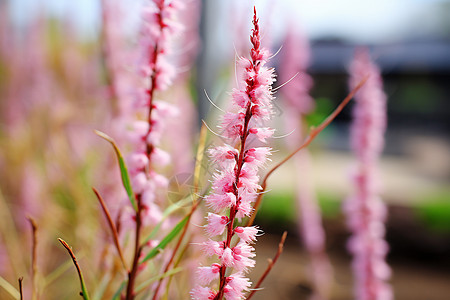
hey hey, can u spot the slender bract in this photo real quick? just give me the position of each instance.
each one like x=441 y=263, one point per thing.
x=365 y=210
x=236 y=181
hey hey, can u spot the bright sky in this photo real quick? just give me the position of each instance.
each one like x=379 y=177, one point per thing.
x=358 y=20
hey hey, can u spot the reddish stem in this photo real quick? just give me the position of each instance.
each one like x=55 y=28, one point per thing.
x=20 y=288
x=270 y=266
x=137 y=252
x=112 y=226
x=33 y=258
x=149 y=149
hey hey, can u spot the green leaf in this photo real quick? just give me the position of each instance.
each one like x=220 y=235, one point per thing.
x=123 y=168
x=166 y=240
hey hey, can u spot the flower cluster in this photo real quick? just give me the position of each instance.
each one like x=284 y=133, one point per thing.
x=365 y=210
x=159 y=26
x=236 y=182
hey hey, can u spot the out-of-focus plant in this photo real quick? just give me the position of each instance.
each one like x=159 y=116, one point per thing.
x=365 y=210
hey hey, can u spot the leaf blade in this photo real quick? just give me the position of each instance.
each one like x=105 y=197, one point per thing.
x=123 y=168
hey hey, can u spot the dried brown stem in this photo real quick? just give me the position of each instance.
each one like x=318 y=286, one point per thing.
x=177 y=246
x=269 y=266
x=33 y=258
x=20 y=288
x=113 y=228
x=312 y=135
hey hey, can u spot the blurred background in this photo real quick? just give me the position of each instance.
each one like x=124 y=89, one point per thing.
x=54 y=92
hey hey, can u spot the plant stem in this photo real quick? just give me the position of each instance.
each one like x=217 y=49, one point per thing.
x=20 y=288
x=33 y=258
x=112 y=226
x=270 y=266
x=137 y=252
x=84 y=292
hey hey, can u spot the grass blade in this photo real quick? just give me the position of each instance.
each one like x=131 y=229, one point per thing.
x=84 y=293
x=123 y=168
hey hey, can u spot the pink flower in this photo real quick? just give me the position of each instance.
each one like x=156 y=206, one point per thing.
x=225 y=156
x=247 y=234
x=216 y=224
x=236 y=181
x=262 y=133
x=238 y=282
x=218 y=202
x=202 y=293
x=257 y=157
x=227 y=257
x=207 y=274
x=211 y=247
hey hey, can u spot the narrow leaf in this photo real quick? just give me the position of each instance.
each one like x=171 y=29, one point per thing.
x=166 y=240
x=123 y=168
x=84 y=292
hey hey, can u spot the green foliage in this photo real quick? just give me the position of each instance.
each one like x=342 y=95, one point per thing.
x=321 y=112
x=123 y=169
x=434 y=211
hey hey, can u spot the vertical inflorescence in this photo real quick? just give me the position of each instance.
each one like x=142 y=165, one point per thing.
x=366 y=211
x=159 y=26
x=236 y=182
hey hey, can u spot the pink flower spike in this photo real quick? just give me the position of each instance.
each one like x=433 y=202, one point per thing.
x=247 y=234
x=216 y=224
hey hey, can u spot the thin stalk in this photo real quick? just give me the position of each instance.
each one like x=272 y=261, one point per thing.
x=314 y=131
x=34 y=291
x=137 y=252
x=20 y=288
x=113 y=228
x=270 y=265
x=84 y=292
x=149 y=149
